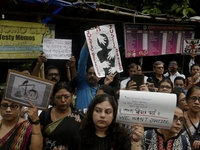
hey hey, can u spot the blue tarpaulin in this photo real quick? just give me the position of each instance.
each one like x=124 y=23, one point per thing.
x=61 y=3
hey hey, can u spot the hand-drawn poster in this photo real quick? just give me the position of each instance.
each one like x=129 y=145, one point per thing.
x=22 y=88
x=104 y=50
x=191 y=45
x=57 y=48
x=148 y=108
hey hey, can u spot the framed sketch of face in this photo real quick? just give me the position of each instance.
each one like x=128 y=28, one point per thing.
x=21 y=88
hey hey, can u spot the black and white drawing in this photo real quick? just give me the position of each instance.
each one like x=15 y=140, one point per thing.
x=23 y=88
x=106 y=56
x=104 y=51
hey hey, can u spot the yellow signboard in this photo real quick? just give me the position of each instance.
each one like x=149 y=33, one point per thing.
x=17 y=39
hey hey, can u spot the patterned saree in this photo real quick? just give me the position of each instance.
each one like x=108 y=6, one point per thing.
x=17 y=138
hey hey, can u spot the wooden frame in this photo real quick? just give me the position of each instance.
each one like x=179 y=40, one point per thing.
x=22 y=88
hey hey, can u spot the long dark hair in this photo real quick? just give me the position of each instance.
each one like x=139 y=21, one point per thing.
x=87 y=129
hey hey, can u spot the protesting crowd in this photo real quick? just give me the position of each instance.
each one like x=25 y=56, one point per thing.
x=82 y=112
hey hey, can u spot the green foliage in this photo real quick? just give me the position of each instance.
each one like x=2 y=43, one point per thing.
x=130 y=4
x=178 y=8
x=152 y=7
x=182 y=8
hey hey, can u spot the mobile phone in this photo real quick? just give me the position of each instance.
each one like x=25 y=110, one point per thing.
x=139 y=79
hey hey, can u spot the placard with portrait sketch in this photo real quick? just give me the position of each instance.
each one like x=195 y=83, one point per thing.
x=21 y=88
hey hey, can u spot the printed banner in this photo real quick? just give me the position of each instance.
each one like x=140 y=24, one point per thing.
x=148 y=108
x=22 y=39
x=57 y=48
x=151 y=40
x=104 y=50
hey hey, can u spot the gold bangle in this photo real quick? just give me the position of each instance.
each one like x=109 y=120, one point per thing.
x=137 y=144
x=38 y=133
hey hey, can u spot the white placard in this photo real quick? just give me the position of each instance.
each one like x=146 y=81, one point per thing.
x=57 y=48
x=104 y=51
x=151 y=109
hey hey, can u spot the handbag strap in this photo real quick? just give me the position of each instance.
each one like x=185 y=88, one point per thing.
x=192 y=123
x=187 y=130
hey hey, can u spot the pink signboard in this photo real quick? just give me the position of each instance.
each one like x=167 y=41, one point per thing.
x=152 y=40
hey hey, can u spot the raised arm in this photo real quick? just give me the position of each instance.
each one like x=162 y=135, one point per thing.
x=82 y=63
x=41 y=60
x=71 y=68
x=192 y=60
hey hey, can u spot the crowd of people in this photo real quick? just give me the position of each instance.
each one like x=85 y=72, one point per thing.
x=82 y=113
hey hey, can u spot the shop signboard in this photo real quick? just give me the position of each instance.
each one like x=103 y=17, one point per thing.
x=152 y=40
x=22 y=40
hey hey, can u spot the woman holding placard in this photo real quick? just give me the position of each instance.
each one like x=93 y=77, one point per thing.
x=99 y=130
x=17 y=133
x=167 y=139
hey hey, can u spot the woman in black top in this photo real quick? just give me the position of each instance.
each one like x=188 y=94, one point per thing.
x=99 y=130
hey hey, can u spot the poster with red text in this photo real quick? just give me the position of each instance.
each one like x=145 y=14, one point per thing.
x=104 y=50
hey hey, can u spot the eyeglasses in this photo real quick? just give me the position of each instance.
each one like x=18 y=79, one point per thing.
x=159 y=67
x=175 y=119
x=166 y=87
x=53 y=74
x=59 y=97
x=194 y=98
x=12 y=107
x=91 y=73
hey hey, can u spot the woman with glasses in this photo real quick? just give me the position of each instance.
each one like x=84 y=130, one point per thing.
x=167 y=139
x=62 y=120
x=17 y=133
x=181 y=98
x=192 y=126
x=165 y=86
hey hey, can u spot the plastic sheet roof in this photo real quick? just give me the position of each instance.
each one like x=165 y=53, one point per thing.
x=61 y=3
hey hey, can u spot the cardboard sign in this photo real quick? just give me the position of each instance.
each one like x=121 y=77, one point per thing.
x=104 y=51
x=22 y=88
x=57 y=48
x=191 y=46
x=152 y=109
